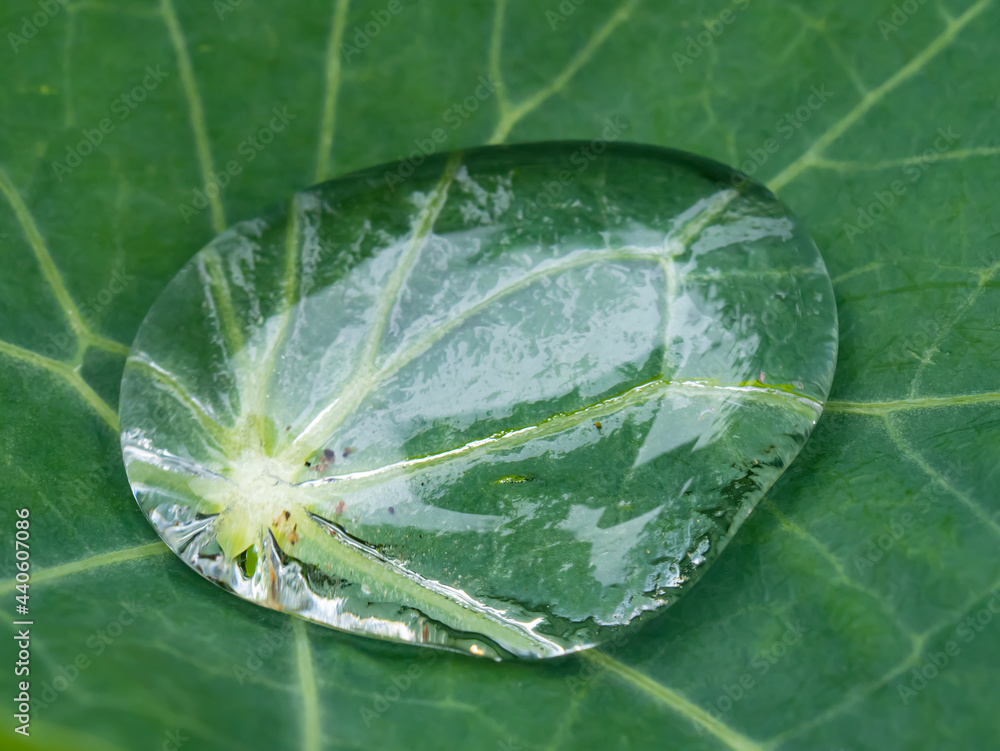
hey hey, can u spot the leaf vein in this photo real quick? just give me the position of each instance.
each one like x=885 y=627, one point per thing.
x=984 y=278
x=914 y=456
x=496 y=44
x=879 y=409
x=874 y=97
x=911 y=660
x=90 y=563
x=948 y=156
x=581 y=58
x=841 y=574
x=196 y=112
x=328 y=123
x=307 y=685
x=330 y=417
x=68 y=374
x=675 y=701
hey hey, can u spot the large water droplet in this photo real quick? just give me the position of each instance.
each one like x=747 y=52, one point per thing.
x=506 y=405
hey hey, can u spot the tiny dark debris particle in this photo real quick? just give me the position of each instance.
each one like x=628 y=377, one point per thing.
x=348 y=450
x=392 y=510
x=328 y=453
x=308 y=464
x=287 y=515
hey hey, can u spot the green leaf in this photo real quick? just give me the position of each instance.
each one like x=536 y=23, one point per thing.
x=874 y=556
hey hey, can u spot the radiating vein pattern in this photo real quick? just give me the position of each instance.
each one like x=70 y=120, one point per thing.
x=476 y=411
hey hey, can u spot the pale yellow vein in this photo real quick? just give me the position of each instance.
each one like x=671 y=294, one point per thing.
x=195 y=111
x=875 y=96
x=496 y=45
x=914 y=456
x=328 y=124
x=351 y=395
x=841 y=573
x=84 y=335
x=873 y=266
x=855 y=695
x=569 y=716
x=819 y=25
x=880 y=409
x=519 y=111
x=909 y=661
x=259 y=386
x=68 y=374
x=675 y=701
x=171 y=386
x=948 y=156
x=108 y=345
x=985 y=277
x=48 y=266
x=40 y=576
x=307 y=685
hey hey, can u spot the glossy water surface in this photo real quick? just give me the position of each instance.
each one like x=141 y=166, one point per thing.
x=506 y=405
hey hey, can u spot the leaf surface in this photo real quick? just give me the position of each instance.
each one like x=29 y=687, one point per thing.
x=864 y=563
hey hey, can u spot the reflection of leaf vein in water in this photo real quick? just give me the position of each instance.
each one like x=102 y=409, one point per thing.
x=356 y=560
x=339 y=407
x=365 y=380
x=437 y=600
x=654 y=388
x=331 y=544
